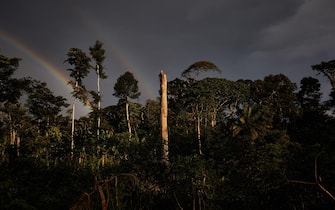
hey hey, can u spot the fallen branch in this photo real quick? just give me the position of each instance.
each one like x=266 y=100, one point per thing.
x=317 y=180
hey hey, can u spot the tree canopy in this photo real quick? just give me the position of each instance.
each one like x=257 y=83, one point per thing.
x=126 y=86
x=244 y=144
x=198 y=67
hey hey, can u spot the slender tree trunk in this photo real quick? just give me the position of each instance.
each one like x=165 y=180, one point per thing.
x=199 y=130
x=127 y=117
x=46 y=149
x=11 y=130
x=164 y=115
x=199 y=135
x=18 y=143
x=12 y=136
x=72 y=123
x=99 y=103
x=14 y=139
x=104 y=203
x=213 y=118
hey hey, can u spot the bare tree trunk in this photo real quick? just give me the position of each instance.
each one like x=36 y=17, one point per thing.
x=127 y=117
x=99 y=111
x=12 y=135
x=199 y=134
x=15 y=141
x=99 y=103
x=11 y=130
x=198 y=117
x=72 y=123
x=14 y=138
x=18 y=143
x=104 y=202
x=164 y=115
x=213 y=118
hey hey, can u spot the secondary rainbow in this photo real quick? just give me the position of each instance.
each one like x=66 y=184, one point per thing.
x=123 y=57
x=37 y=58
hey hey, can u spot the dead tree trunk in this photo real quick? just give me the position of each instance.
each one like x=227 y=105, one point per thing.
x=164 y=114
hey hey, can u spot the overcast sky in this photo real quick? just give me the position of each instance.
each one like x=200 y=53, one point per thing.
x=246 y=39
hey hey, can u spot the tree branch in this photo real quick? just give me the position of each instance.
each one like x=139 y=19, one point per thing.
x=317 y=181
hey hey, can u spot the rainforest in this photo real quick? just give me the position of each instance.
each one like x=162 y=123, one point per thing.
x=244 y=144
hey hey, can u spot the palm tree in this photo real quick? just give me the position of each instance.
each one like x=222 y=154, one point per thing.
x=254 y=121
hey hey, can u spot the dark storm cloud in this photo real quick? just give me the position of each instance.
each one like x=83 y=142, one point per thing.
x=300 y=41
x=310 y=30
x=246 y=39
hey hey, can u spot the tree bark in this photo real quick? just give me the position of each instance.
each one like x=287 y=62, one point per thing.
x=199 y=134
x=72 y=123
x=164 y=115
x=317 y=180
x=99 y=102
x=128 y=118
x=198 y=117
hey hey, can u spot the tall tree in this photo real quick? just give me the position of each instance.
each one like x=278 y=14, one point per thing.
x=13 y=120
x=276 y=91
x=327 y=69
x=98 y=55
x=45 y=109
x=308 y=125
x=44 y=106
x=309 y=95
x=9 y=86
x=198 y=94
x=81 y=66
x=254 y=121
x=126 y=87
x=11 y=90
x=199 y=67
x=151 y=113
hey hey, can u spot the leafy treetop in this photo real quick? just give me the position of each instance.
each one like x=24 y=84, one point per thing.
x=126 y=86
x=328 y=69
x=198 y=67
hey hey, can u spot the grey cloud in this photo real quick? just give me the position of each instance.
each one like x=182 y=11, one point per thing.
x=247 y=39
x=311 y=25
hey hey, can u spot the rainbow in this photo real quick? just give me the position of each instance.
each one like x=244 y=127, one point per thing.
x=39 y=59
x=145 y=88
x=123 y=58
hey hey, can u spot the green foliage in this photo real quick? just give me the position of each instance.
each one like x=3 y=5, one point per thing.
x=327 y=69
x=151 y=118
x=255 y=122
x=265 y=144
x=19 y=204
x=9 y=90
x=98 y=54
x=31 y=185
x=126 y=86
x=198 y=67
x=81 y=65
x=44 y=106
x=277 y=92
